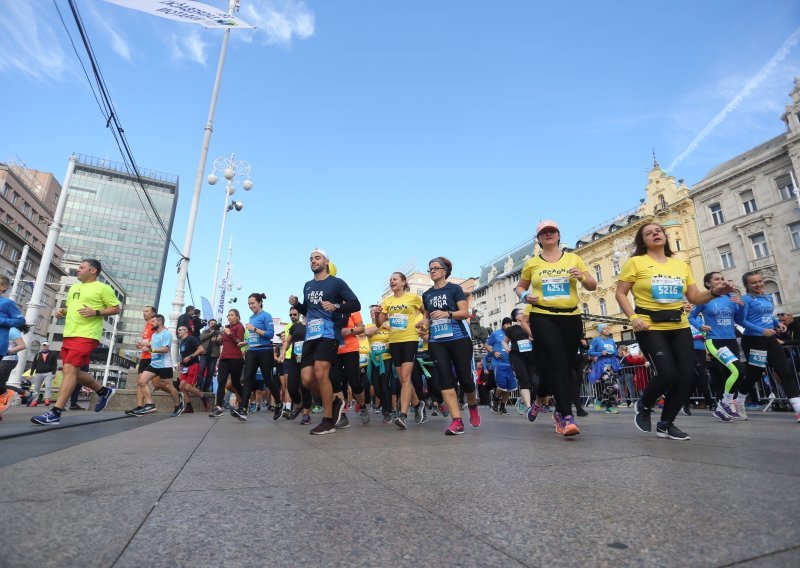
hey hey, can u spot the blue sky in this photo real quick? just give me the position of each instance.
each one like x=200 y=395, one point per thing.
x=391 y=131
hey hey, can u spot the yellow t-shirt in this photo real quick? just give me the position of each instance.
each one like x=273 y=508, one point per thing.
x=401 y=312
x=379 y=342
x=363 y=350
x=658 y=286
x=552 y=283
x=96 y=296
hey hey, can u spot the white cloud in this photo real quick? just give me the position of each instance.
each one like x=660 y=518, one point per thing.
x=190 y=47
x=118 y=43
x=28 y=42
x=278 y=22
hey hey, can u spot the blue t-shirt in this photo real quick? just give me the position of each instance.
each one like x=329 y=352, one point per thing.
x=719 y=314
x=13 y=335
x=495 y=345
x=445 y=299
x=161 y=360
x=319 y=322
x=600 y=344
x=10 y=316
x=263 y=321
x=756 y=315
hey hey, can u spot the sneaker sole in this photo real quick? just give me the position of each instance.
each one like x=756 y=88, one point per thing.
x=452 y=433
x=331 y=431
x=46 y=423
x=571 y=431
x=400 y=425
x=149 y=411
x=665 y=435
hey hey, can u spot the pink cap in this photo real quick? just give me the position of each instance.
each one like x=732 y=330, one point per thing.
x=545 y=224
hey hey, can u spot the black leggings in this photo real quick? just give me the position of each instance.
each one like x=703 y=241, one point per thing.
x=433 y=381
x=524 y=365
x=557 y=339
x=672 y=361
x=381 y=382
x=297 y=392
x=776 y=359
x=448 y=355
x=700 y=376
x=348 y=372
x=228 y=368
x=255 y=359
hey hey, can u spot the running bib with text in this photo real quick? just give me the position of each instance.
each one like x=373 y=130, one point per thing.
x=297 y=348
x=253 y=339
x=555 y=287
x=757 y=358
x=441 y=328
x=398 y=321
x=379 y=348
x=726 y=356
x=314 y=329
x=525 y=345
x=363 y=359
x=666 y=290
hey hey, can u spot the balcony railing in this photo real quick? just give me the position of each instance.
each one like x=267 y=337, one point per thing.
x=762 y=262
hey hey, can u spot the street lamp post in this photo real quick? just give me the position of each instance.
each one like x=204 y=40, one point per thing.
x=231 y=169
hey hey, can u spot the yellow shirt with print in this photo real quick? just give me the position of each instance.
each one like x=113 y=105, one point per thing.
x=402 y=311
x=379 y=341
x=552 y=283
x=658 y=286
x=363 y=350
x=96 y=296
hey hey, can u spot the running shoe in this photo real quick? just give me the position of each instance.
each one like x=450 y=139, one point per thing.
x=740 y=410
x=718 y=412
x=325 y=427
x=295 y=412
x=49 y=418
x=520 y=406
x=305 y=420
x=189 y=409
x=558 y=422
x=7 y=398
x=598 y=406
x=337 y=409
x=254 y=407
x=581 y=412
x=180 y=398
x=444 y=410
x=419 y=414
x=686 y=410
x=729 y=409
x=147 y=409
x=493 y=407
x=456 y=428
x=34 y=403
x=533 y=412
x=364 y=413
x=474 y=417
x=217 y=412
x=134 y=411
x=76 y=407
x=400 y=420
x=102 y=401
x=669 y=430
x=278 y=412
x=641 y=417
x=47 y=402
x=545 y=408
x=387 y=418
x=343 y=422
x=568 y=426
x=612 y=410
x=239 y=413
x=316 y=409
x=435 y=411
x=178 y=411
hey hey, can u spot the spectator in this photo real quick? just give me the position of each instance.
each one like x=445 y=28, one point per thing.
x=208 y=360
x=43 y=369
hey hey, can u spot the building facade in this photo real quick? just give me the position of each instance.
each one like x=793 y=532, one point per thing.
x=108 y=216
x=27 y=203
x=748 y=214
x=493 y=297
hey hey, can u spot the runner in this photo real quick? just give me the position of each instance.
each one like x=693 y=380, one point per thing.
x=291 y=352
x=554 y=318
x=522 y=360
x=348 y=367
x=716 y=320
x=88 y=302
x=504 y=378
x=159 y=371
x=400 y=310
x=190 y=350
x=260 y=355
x=659 y=283
x=324 y=297
x=231 y=361
x=15 y=344
x=449 y=343
x=143 y=345
x=425 y=373
x=380 y=368
x=760 y=344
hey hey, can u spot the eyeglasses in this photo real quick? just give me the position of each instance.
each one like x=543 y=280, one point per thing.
x=432 y=268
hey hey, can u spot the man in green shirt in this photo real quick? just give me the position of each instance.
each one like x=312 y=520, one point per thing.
x=88 y=302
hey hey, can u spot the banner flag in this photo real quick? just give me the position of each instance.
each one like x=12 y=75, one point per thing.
x=187 y=11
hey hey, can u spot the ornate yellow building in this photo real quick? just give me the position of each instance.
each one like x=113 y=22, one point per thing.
x=605 y=248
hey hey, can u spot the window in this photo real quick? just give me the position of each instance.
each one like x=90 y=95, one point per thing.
x=598 y=272
x=603 y=311
x=760 y=248
x=14 y=198
x=771 y=290
x=13 y=254
x=615 y=265
x=726 y=256
x=4 y=189
x=748 y=202
x=678 y=244
x=2 y=246
x=716 y=214
x=794 y=233
x=785 y=188
x=586 y=309
x=27 y=266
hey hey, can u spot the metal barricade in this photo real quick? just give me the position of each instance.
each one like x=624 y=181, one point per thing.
x=627 y=377
x=770 y=387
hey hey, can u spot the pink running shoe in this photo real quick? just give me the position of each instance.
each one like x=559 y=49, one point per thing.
x=456 y=428
x=474 y=417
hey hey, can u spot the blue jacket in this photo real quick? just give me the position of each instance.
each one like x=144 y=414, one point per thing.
x=719 y=314
x=10 y=316
x=756 y=315
x=600 y=344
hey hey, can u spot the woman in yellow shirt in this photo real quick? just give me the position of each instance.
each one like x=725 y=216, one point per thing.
x=554 y=318
x=659 y=284
x=400 y=310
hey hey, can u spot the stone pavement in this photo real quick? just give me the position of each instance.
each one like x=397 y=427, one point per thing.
x=192 y=491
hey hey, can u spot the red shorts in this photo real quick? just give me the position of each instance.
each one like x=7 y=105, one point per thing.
x=190 y=375
x=76 y=350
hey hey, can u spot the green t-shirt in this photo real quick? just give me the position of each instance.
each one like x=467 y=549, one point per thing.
x=96 y=296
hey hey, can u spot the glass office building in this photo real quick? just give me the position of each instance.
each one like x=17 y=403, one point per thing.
x=108 y=217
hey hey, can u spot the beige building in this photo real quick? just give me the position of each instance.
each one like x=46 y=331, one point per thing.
x=606 y=247
x=747 y=212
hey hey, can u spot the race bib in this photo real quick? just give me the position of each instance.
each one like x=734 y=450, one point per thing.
x=297 y=348
x=379 y=348
x=398 y=322
x=362 y=359
x=757 y=358
x=420 y=345
x=726 y=356
x=555 y=287
x=666 y=290
x=314 y=329
x=441 y=328
x=525 y=345
x=253 y=339
x=184 y=370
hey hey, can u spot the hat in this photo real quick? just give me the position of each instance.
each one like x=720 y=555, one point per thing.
x=506 y=320
x=547 y=223
x=601 y=327
x=323 y=252
x=45 y=343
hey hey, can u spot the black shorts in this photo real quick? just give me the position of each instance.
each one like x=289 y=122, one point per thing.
x=403 y=352
x=280 y=370
x=143 y=364
x=160 y=373
x=322 y=349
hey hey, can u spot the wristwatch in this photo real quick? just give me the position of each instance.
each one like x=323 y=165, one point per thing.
x=337 y=306
x=97 y=312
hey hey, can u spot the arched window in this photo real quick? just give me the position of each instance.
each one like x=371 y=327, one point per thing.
x=771 y=290
x=603 y=311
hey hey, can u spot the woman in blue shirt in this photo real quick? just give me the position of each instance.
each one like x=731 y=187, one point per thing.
x=760 y=343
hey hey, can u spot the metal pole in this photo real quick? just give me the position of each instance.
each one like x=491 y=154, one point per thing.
x=178 y=300
x=221 y=234
x=35 y=304
x=110 y=347
x=18 y=276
